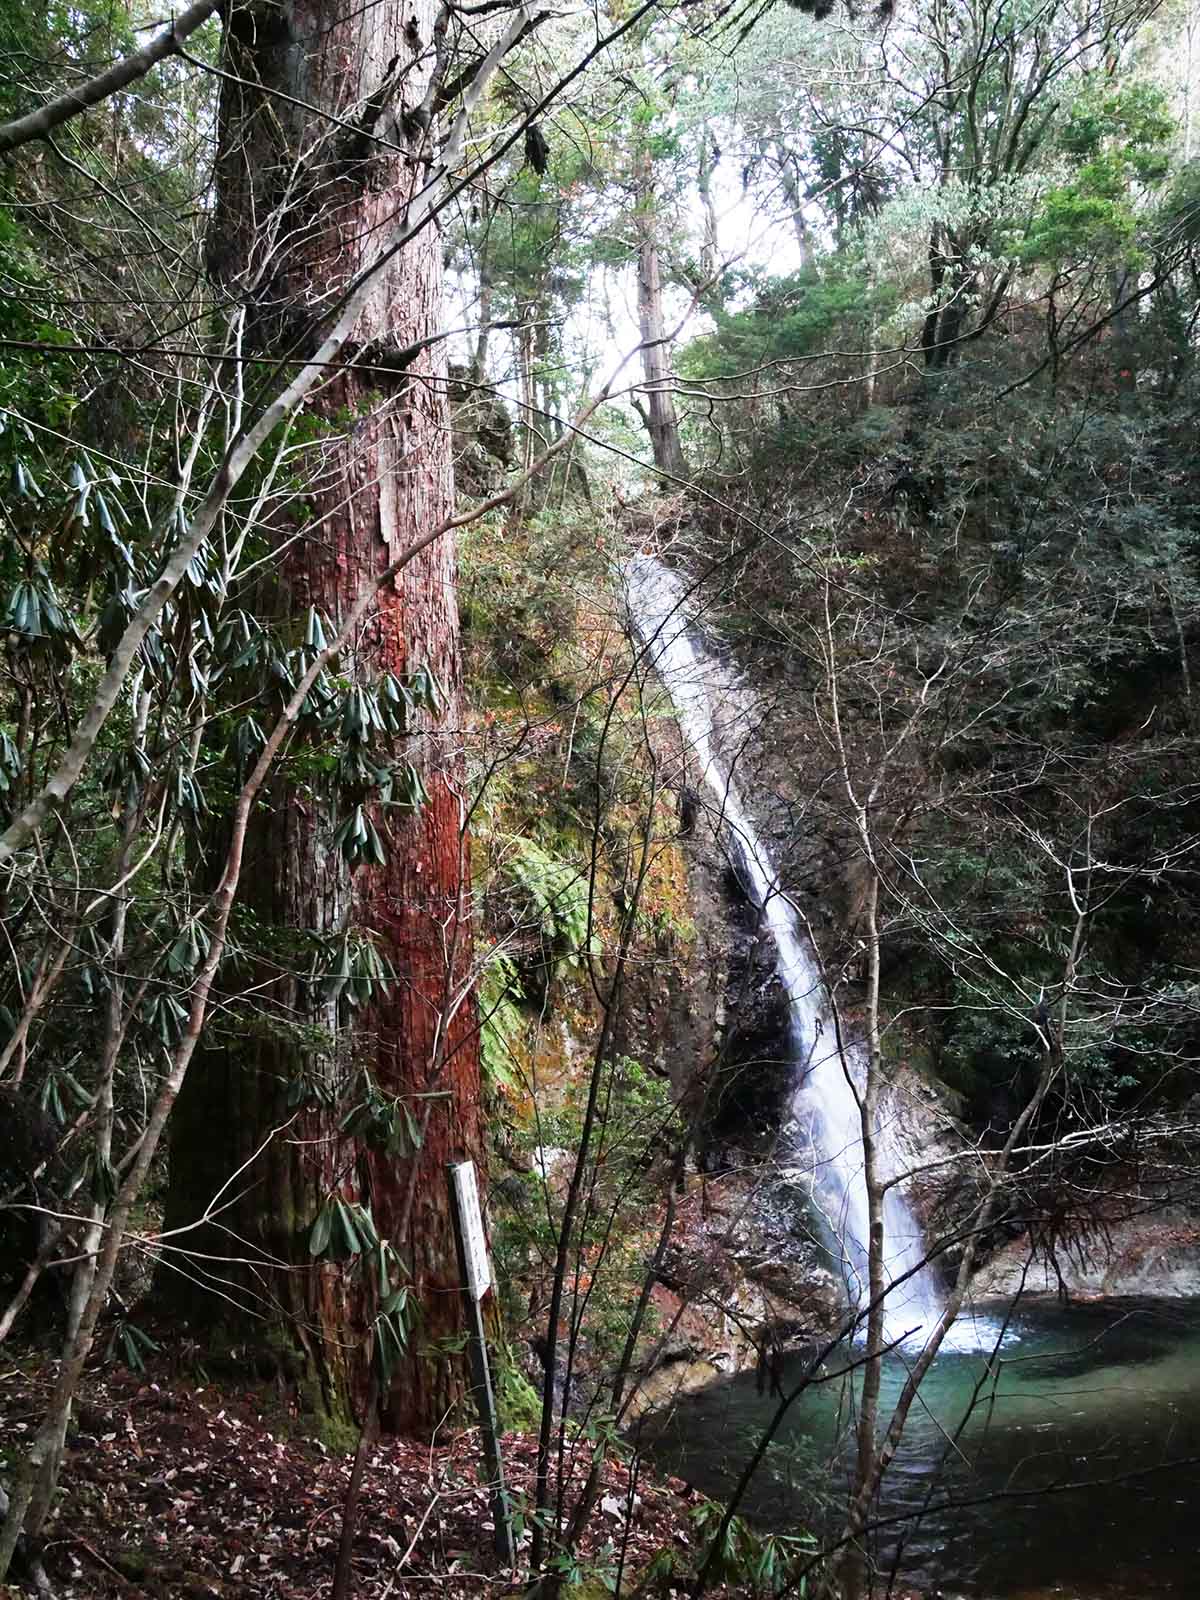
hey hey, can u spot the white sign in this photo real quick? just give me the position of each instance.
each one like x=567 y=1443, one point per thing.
x=466 y=1193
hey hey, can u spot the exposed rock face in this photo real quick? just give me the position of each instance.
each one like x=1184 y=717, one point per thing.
x=674 y=1002
x=742 y=1283
x=712 y=1015
x=1157 y=1254
x=752 y=1087
x=947 y=1177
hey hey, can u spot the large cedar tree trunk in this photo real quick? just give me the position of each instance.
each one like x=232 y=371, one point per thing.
x=302 y=206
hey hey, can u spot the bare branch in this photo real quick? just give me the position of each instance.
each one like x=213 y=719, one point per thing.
x=37 y=124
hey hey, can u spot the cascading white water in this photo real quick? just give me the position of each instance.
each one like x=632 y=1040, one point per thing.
x=823 y=1095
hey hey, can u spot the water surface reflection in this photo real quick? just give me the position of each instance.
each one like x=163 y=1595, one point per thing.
x=1064 y=1463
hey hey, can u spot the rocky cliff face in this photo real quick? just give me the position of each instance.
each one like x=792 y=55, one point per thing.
x=1154 y=1255
x=744 y=1280
x=702 y=1014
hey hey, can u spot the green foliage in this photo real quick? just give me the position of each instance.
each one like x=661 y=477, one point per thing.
x=1136 y=118
x=1179 y=215
x=553 y=900
x=765 y=1563
x=189 y=950
x=132 y=1344
x=789 y=318
x=381 y=1120
x=34 y=612
x=344 y=1232
x=391 y=1330
x=359 y=840
x=500 y=1020
x=1118 y=141
x=1090 y=216
x=1033 y=547
x=62 y=1095
x=344 y=1229
x=637 y=1126
x=351 y=969
x=518 y=1403
x=1018 y=546
x=519 y=593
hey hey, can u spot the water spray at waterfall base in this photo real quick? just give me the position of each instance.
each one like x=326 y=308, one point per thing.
x=827 y=1074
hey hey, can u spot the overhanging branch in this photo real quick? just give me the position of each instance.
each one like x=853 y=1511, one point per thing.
x=37 y=124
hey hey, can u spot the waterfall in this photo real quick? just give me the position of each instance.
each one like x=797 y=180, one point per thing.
x=823 y=1099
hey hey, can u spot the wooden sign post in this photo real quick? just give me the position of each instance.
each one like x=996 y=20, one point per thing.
x=475 y=1275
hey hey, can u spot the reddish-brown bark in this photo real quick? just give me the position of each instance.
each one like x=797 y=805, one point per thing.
x=302 y=207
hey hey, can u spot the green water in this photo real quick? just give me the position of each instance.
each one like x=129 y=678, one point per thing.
x=1066 y=1463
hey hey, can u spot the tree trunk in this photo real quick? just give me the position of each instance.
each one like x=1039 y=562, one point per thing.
x=710 y=249
x=479 y=358
x=302 y=205
x=483 y=255
x=661 y=420
x=1123 y=343
x=930 y=344
x=795 y=204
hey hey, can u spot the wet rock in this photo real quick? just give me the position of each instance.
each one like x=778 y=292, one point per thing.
x=946 y=1178
x=1158 y=1254
x=743 y=1280
x=754 y=1070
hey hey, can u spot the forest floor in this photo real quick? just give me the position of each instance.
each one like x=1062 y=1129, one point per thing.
x=174 y=1487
